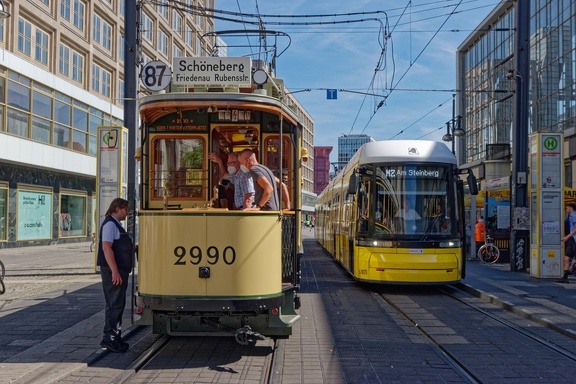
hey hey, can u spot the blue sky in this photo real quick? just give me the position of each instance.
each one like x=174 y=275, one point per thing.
x=418 y=53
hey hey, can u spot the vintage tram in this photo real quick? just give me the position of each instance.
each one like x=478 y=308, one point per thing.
x=202 y=269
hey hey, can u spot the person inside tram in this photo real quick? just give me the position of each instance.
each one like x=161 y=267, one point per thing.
x=243 y=184
x=226 y=194
x=409 y=216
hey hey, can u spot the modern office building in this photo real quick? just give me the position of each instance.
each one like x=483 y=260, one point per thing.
x=347 y=147
x=321 y=168
x=488 y=77
x=486 y=72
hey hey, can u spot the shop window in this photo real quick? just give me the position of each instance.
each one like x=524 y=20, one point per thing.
x=73 y=215
x=34 y=220
x=3 y=211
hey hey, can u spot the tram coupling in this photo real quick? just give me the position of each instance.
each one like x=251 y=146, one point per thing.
x=246 y=336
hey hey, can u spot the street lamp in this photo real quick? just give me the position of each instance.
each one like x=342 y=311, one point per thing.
x=4 y=14
x=452 y=131
x=456 y=130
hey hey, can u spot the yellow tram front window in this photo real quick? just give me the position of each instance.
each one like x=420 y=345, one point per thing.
x=178 y=168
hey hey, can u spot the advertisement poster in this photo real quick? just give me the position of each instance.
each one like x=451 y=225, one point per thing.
x=34 y=215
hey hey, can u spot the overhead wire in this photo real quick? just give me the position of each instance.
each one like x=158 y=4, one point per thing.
x=381 y=64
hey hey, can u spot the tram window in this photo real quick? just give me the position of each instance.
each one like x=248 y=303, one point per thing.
x=179 y=168
x=272 y=152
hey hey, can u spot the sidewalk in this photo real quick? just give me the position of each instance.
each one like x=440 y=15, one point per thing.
x=542 y=300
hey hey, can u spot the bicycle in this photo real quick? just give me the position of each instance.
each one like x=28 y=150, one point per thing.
x=488 y=253
x=2 y=273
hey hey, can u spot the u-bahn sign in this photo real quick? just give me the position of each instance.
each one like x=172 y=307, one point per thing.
x=205 y=71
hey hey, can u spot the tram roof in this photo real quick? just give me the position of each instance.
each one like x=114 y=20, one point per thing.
x=156 y=105
x=404 y=151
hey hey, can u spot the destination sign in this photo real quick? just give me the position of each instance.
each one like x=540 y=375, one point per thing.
x=433 y=173
x=212 y=71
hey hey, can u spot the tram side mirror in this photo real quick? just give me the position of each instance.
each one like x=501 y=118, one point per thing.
x=353 y=184
x=472 y=183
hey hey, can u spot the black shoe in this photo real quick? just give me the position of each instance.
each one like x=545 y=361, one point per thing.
x=114 y=345
x=125 y=344
x=562 y=281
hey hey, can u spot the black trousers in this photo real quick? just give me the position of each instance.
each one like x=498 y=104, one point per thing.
x=115 y=297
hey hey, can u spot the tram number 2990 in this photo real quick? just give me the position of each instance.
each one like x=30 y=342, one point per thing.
x=212 y=254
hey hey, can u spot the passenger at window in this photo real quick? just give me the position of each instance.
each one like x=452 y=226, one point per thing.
x=243 y=184
x=265 y=184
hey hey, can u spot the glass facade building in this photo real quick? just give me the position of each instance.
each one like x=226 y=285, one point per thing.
x=487 y=79
x=347 y=147
x=486 y=75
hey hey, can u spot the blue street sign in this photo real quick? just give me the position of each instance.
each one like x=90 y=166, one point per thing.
x=331 y=94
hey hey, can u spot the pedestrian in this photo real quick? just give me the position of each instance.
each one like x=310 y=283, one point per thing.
x=243 y=184
x=115 y=259
x=265 y=184
x=480 y=231
x=569 y=240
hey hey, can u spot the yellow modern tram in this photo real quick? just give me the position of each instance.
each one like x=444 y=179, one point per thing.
x=395 y=214
x=205 y=270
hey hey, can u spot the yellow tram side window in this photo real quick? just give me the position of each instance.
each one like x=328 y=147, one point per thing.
x=179 y=169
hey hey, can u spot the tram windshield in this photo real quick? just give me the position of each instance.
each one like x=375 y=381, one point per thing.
x=407 y=200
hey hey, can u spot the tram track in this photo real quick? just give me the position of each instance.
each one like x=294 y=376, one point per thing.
x=530 y=335
x=495 y=336
x=448 y=357
x=199 y=356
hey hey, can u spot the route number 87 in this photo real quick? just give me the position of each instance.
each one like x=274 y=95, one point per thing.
x=212 y=255
x=156 y=75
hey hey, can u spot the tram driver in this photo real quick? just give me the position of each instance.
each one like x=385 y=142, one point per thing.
x=409 y=216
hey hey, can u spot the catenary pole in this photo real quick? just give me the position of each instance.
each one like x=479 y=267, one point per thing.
x=130 y=120
x=519 y=236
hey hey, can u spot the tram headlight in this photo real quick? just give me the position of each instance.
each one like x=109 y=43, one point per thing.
x=451 y=244
x=373 y=243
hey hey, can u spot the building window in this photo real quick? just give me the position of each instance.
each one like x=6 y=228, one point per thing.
x=2 y=24
x=176 y=51
x=77 y=67
x=96 y=78
x=189 y=36
x=147 y=28
x=41 y=116
x=74 y=9
x=177 y=22
x=25 y=37
x=121 y=51
x=101 y=80
x=64 y=62
x=79 y=14
x=121 y=90
x=65 y=9
x=102 y=32
x=41 y=51
x=162 y=42
x=163 y=8
x=73 y=211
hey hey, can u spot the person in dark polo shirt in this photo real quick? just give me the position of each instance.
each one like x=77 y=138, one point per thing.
x=115 y=259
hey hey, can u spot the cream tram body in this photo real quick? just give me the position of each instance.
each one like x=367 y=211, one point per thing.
x=204 y=269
